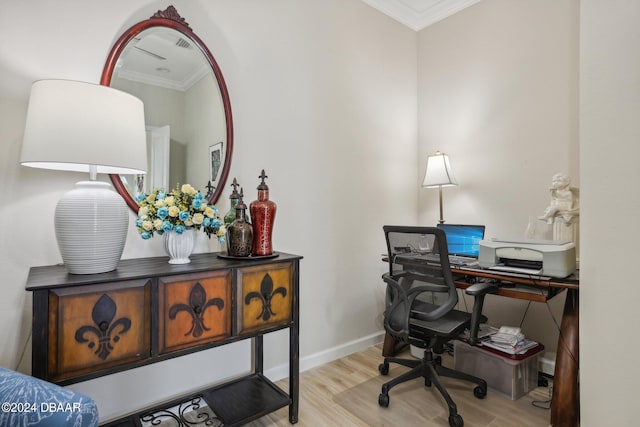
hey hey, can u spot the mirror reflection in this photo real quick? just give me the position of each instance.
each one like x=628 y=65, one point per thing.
x=184 y=111
x=187 y=108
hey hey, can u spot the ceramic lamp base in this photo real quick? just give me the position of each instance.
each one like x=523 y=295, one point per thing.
x=91 y=228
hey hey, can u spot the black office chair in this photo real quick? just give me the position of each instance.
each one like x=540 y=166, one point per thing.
x=421 y=296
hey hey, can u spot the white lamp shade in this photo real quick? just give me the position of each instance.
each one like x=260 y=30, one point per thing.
x=83 y=127
x=72 y=125
x=439 y=172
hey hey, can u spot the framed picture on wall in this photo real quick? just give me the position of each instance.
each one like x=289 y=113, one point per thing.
x=215 y=163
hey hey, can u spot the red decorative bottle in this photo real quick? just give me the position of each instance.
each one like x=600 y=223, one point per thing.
x=263 y=213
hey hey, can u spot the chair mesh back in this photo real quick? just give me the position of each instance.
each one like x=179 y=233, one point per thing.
x=420 y=249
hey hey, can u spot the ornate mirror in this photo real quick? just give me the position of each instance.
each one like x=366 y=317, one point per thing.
x=187 y=108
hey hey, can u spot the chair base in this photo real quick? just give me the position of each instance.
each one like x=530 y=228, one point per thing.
x=430 y=368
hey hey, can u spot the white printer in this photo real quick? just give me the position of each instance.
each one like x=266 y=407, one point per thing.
x=541 y=257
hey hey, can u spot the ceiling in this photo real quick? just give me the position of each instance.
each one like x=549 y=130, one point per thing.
x=161 y=57
x=419 y=14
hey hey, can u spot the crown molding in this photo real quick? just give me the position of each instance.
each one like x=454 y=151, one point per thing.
x=419 y=14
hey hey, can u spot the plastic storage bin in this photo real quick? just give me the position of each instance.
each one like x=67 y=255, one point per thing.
x=511 y=375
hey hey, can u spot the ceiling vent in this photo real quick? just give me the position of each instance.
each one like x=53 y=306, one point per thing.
x=183 y=43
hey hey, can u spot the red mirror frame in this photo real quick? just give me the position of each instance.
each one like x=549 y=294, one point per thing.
x=170 y=18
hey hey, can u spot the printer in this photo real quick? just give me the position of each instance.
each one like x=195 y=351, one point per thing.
x=540 y=257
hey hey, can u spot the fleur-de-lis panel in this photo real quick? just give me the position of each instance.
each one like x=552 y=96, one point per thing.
x=105 y=325
x=197 y=307
x=106 y=329
x=266 y=296
x=194 y=309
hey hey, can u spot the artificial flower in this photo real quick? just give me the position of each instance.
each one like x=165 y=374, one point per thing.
x=177 y=211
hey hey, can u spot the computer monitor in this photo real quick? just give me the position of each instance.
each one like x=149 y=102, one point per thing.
x=463 y=239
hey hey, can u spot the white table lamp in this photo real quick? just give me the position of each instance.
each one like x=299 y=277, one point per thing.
x=84 y=127
x=438 y=175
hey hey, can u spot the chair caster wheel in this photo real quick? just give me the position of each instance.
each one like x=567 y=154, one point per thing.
x=480 y=392
x=383 y=400
x=456 y=421
x=384 y=368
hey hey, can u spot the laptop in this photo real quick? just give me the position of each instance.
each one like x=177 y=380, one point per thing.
x=463 y=242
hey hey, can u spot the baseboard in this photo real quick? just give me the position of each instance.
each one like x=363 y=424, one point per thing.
x=547 y=363
x=313 y=360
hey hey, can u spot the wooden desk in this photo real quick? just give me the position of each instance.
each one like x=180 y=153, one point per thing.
x=564 y=401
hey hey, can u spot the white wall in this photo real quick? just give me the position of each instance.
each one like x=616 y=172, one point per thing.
x=324 y=99
x=609 y=152
x=326 y=104
x=497 y=85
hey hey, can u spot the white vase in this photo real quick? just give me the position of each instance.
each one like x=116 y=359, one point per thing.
x=179 y=246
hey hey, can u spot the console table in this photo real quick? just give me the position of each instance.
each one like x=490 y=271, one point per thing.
x=146 y=311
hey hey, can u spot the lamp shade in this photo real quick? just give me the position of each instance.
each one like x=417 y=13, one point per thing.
x=438 y=172
x=83 y=127
x=72 y=125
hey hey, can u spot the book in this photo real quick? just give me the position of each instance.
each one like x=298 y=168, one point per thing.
x=520 y=347
x=508 y=335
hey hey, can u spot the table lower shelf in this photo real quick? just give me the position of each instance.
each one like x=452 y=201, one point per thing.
x=231 y=404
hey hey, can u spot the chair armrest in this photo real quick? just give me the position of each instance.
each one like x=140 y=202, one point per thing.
x=478 y=291
x=481 y=288
x=397 y=315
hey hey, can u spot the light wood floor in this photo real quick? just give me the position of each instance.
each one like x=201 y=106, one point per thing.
x=345 y=393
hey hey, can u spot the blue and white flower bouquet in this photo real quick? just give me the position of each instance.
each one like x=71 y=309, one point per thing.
x=177 y=211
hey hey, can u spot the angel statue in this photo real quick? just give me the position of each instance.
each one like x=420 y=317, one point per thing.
x=564 y=210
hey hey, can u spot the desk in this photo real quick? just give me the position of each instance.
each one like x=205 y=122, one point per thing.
x=564 y=401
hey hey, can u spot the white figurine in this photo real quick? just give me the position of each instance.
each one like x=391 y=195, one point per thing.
x=564 y=210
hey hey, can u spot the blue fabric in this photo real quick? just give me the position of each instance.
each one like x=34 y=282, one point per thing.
x=28 y=401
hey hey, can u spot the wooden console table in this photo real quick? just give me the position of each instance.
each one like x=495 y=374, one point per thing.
x=146 y=311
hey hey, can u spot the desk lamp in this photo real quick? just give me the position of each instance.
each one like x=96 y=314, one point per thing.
x=439 y=174
x=83 y=127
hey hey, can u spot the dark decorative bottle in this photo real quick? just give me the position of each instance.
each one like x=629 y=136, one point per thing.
x=230 y=216
x=240 y=232
x=263 y=213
